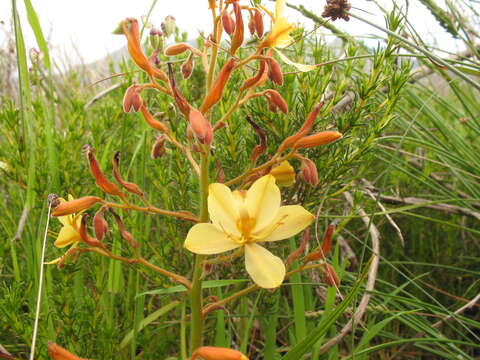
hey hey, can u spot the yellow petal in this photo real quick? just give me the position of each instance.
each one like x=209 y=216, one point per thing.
x=66 y=236
x=206 y=239
x=284 y=174
x=65 y=220
x=291 y=219
x=279 y=8
x=223 y=208
x=263 y=202
x=280 y=34
x=265 y=269
x=51 y=262
x=301 y=67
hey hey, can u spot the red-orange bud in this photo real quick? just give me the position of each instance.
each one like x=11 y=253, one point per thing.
x=75 y=206
x=276 y=99
x=257 y=79
x=216 y=91
x=99 y=224
x=275 y=73
x=85 y=237
x=251 y=24
x=132 y=100
x=228 y=22
x=158 y=148
x=237 y=38
x=176 y=49
x=57 y=352
x=309 y=172
x=155 y=124
x=217 y=353
x=100 y=178
x=130 y=187
x=318 y=139
x=187 y=66
x=258 y=19
x=201 y=127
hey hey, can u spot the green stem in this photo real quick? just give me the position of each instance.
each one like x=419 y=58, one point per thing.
x=196 y=320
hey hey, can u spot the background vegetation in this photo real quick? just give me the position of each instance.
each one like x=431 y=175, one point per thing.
x=404 y=177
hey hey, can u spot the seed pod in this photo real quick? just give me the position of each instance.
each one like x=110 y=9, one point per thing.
x=275 y=73
x=99 y=224
x=130 y=187
x=309 y=172
x=257 y=79
x=251 y=24
x=304 y=130
x=100 y=178
x=228 y=22
x=132 y=100
x=158 y=148
x=176 y=49
x=217 y=353
x=187 y=66
x=85 y=237
x=57 y=352
x=275 y=98
x=258 y=18
x=318 y=139
x=237 y=38
x=201 y=127
x=76 y=205
x=216 y=91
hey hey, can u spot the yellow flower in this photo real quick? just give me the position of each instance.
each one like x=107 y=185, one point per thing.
x=279 y=36
x=70 y=231
x=243 y=219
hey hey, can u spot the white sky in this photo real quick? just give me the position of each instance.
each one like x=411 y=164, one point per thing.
x=82 y=29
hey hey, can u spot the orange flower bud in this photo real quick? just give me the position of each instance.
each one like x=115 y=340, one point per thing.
x=309 y=172
x=251 y=24
x=130 y=187
x=216 y=91
x=257 y=79
x=158 y=149
x=157 y=125
x=284 y=174
x=131 y=30
x=237 y=38
x=228 y=22
x=277 y=100
x=217 y=353
x=219 y=125
x=100 y=179
x=321 y=253
x=85 y=237
x=258 y=18
x=318 y=139
x=330 y=276
x=56 y=352
x=176 y=49
x=75 y=206
x=304 y=130
x=187 y=66
x=201 y=127
x=99 y=224
x=132 y=100
x=275 y=73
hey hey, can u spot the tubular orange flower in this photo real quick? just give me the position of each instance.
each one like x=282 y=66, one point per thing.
x=100 y=179
x=242 y=220
x=217 y=353
x=256 y=80
x=75 y=205
x=215 y=92
x=318 y=139
x=155 y=124
x=237 y=37
x=131 y=30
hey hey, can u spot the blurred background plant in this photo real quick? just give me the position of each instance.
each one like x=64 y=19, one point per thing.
x=405 y=175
